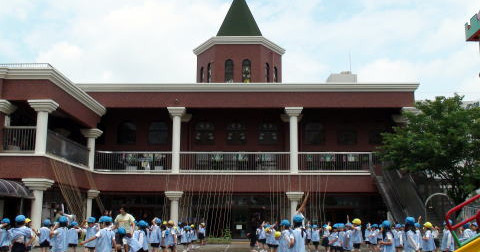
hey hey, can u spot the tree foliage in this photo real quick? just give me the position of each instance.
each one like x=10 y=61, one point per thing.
x=443 y=140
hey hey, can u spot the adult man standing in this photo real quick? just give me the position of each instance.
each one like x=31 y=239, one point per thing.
x=126 y=221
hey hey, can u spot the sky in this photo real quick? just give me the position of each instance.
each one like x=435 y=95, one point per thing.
x=151 y=41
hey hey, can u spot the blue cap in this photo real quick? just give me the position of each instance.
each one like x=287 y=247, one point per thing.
x=5 y=221
x=122 y=231
x=341 y=225
x=20 y=218
x=109 y=219
x=410 y=220
x=63 y=219
x=91 y=220
x=417 y=225
x=325 y=226
x=297 y=219
x=102 y=219
x=267 y=226
x=398 y=226
x=335 y=225
x=158 y=220
x=142 y=223
x=285 y=223
x=74 y=223
x=47 y=222
x=386 y=224
x=314 y=226
x=374 y=226
x=475 y=224
x=466 y=225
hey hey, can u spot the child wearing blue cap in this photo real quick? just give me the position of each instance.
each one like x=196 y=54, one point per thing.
x=262 y=237
x=315 y=236
x=341 y=236
x=410 y=243
x=141 y=235
x=58 y=235
x=333 y=239
x=184 y=237
x=372 y=237
x=387 y=243
x=308 y=231
x=448 y=244
x=44 y=235
x=20 y=234
x=91 y=229
x=348 y=238
x=398 y=237
x=272 y=243
x=5 y=235
x=298 y=233
x=287 y=240
x=155 y=236
x=72 y=235
x=105 y=238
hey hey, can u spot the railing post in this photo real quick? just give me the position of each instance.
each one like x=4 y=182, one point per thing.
x=43 y=108
x=293 y=113
x=91 y=135
x=370 y=162
x=176 y=113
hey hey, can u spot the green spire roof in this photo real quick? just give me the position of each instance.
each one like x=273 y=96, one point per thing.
x=239 y=21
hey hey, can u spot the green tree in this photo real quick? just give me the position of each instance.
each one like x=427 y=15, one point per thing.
x=442 y=139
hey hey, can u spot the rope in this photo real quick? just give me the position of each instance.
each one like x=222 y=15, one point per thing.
x=68 y=187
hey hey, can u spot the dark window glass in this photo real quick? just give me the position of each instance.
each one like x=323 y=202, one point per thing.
x=201 y=75
x=347 y=137
x=268 y=133
x=314 y=134
x=101 y=139
x=126 y=133
x=267 y=72
x=275 y=74
x=375 y=136
x=246 y=71
x=158 y=133
x=229 y=71
x=236 y=133
x=204 y=133
x=209 y=73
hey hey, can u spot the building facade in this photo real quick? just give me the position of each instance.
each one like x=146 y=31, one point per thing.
x=238 y=144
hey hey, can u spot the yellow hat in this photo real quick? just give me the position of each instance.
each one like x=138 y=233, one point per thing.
x=27 y=220
x=329 y=228
x=428 y=225
x=277 y=234
x=171 y=222
x=164 y=223
x=357 y=222
x=192 y=226
x=267 y=230
x=203 y=224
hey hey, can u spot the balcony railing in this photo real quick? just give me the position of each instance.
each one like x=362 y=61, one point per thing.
x=19 y=138
x=27 y=65
x=133 y=161
x=335 y=161
x=63 y=147
x=235 y=161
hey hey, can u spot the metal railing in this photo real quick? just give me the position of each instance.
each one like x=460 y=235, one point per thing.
x=235 y=161
x=126 y=161
x=19 y=138
x=27 y=65
x=335 y=161
x=63 y=147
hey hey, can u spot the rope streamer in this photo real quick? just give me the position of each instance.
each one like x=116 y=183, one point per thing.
x=69 y=188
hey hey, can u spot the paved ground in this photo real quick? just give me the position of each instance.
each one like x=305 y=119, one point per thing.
x=236 y=246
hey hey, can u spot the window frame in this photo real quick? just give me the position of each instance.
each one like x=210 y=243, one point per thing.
x=246 y=71
x=229 y=71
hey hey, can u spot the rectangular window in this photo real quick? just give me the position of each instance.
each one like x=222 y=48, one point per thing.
x=268 y=134
x=204 y=133
x=347 y=137
x=314 y=134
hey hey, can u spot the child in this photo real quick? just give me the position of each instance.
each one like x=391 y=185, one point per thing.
x=272 y=243
x=33 y=236
x=427 y=240
x=286 y=240
x=398 y=238
x=368 y=231
x=341 y=236
x=44 y=235
x=372 y=237
x=348 y=238
x=333 y=239
x=90 y=232
x=410 y=243
x=202 y=231
x=262 y=238
x=387 y=243
x=4 y=235
x=325 y=237
x=72 y=236
x=357 y=234
x=315 y=237
x=169 y=236
x=105 y=239
x=447 y=239
x=58 y=235
x=184 y=237
x=19 y=234
x=298 y=233
x=141 y=235
x=193 y=235
x=308 y=232
x=133 y=244
x=155 y=234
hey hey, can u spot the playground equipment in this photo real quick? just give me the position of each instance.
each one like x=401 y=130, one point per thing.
x=472 y=244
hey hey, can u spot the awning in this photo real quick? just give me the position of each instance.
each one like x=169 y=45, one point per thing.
x=9 y=188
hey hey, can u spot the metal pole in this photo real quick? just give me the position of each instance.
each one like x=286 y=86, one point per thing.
x=429 y=198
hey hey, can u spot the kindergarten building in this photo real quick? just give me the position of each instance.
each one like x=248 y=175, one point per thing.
x=237 y=144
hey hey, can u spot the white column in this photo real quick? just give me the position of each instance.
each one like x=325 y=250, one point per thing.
x=38 y=186
x=174 y=197
x=43 y=108
x=7 y=109
x=91 y=135
x=176 y=113
x=293 y=113
x=91 y=194
x=294 y=198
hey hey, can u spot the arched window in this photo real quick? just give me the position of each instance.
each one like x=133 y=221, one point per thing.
x=204 y=133
x=246 y=71
x=275 y=74
x=158 y=133
x=314 y=134
x=201 y=75
x=209 y=72
x=229 y=71
x=126 y=133
x=268 y=133
x=236 y=133
x=267 y=72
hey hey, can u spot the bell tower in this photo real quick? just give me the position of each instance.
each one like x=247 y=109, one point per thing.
x=239 y=53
